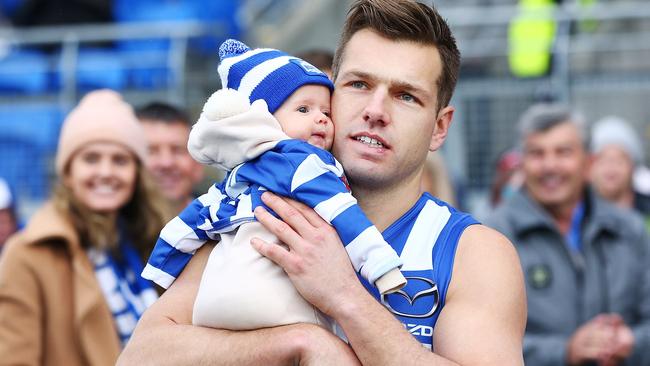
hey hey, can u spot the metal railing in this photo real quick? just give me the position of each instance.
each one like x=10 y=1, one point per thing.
x=601 y=72
x=69 y=39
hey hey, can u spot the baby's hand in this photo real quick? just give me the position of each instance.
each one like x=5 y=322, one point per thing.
x=225 y=103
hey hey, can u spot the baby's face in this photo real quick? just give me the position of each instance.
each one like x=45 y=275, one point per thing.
x=305 y=115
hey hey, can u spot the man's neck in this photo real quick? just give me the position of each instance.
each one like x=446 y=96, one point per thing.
x=562 y=215
x=384 y=206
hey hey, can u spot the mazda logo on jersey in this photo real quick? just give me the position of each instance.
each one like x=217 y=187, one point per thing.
x=418 y=299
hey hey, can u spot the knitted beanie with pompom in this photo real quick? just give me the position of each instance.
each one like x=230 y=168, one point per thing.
x=100 y=116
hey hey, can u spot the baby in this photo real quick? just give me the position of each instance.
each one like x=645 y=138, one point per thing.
x=277 y=143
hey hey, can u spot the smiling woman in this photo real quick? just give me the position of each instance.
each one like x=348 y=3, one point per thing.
x=102 y=176
x=70 y=293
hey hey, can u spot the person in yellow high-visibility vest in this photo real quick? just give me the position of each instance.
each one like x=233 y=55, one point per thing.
x=532 y=32
x=530 y=38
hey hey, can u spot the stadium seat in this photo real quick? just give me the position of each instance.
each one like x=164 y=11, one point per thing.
x=146 y=11
x=225 y=14
x=24 y=71
x=9 y=7
x=147 y=60
x=98 y=68
x=24 y=169
x=147 y=68
x=28 y=140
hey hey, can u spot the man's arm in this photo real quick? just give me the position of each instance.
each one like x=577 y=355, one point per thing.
x=483 y=319
x=165 y=336
x=486 y=302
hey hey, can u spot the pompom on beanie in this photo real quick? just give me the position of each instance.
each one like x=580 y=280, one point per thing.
x=101 y=115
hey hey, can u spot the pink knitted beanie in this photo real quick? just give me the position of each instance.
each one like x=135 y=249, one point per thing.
x=101 y=115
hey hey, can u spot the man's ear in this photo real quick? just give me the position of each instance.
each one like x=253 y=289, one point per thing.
x=441 y=127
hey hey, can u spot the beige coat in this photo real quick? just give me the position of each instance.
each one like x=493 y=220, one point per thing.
x=52 y=310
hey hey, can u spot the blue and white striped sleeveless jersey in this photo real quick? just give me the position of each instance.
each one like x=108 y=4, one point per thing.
x=425 y=238
x=293 y=168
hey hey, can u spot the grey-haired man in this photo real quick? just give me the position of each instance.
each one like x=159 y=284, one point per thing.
x=585 y=261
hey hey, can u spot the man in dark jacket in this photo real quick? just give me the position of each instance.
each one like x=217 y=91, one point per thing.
x=585 y=261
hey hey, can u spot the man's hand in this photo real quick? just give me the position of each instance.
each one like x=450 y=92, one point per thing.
x=605 y=339
x=316 y=260
x=623 y=344
x=624 y=341
x=318 y=347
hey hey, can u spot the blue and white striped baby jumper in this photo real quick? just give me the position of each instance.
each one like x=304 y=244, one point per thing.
x=293 y=169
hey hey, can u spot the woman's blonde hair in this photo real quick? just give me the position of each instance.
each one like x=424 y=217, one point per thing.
x=143 y=215
x=436 y=179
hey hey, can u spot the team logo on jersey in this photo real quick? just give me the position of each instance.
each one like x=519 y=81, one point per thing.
x=425 y=294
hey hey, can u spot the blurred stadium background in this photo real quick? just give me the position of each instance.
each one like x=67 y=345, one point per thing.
x=594 y=54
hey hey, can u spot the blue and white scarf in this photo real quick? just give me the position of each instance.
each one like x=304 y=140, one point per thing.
x=127 y=294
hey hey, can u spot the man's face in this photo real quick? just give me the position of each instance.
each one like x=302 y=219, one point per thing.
x=555 y=165
x=171 y=164
x=384 y=110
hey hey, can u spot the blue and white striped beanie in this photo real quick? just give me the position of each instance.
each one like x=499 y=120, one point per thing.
x=265 y=73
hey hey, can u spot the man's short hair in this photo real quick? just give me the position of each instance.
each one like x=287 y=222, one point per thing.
x=542 y=117
x=405 y=20
x=162 y=112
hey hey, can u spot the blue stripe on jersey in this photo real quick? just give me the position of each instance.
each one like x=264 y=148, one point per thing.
x=226 y=210
x=444 y=251
x=256 y=197
x=236 y=74
x=319 y=189
x=270 y=170
x=189 y=216
x=350 y=223
x=169 y=258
